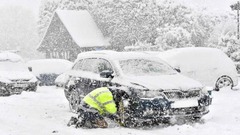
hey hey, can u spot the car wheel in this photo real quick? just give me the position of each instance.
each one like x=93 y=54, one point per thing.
x=67 y=94
x=224 y=81
x=33 y=89
x=125 y=119
x=74 y=101
x=40 y=84
x=4 y=92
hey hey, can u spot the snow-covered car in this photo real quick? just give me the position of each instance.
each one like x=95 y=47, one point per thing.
x=47 y=70
x=155 y=90
x=210 y=66
x=61 y=80
x=237 y=64
x=14 y=75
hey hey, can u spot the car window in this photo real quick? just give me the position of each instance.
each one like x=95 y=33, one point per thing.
x=103 y=65
x=89 y=65
x=144 y=67
x=95 y=65
x=78 y=65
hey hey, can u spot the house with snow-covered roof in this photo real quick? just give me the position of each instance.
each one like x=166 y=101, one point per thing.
x=69 y=33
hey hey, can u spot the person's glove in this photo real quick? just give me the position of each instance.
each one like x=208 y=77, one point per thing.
x=72 y=121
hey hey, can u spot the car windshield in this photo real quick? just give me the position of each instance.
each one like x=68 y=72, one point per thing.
x=12 y=66
x=140 y=67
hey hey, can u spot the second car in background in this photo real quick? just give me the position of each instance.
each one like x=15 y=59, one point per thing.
x=210 y=66
x=47 y=70
x=14 y=75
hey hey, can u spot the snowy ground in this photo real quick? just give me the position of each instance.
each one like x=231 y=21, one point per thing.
x=46 y=112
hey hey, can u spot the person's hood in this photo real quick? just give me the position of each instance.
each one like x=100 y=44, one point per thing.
x=165 y=82
x=16 y=75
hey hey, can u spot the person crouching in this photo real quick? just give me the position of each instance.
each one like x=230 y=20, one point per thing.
x=96 y=105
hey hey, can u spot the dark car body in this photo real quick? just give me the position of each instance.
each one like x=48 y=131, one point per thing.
x=154 y=93
x=47 y=79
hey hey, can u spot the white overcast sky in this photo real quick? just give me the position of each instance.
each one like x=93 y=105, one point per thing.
x=215 y=5
x=33 y=5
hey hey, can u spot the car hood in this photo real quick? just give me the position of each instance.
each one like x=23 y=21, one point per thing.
x=174 y=81
x=16 y=75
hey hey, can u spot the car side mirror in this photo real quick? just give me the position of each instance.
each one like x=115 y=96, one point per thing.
x=177 y=69
x=106 y=74
x=30 y=69
x=77 y=80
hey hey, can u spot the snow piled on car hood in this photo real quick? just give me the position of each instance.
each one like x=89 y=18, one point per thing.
x=16 y=75
x=47 y=66
x=174 y=81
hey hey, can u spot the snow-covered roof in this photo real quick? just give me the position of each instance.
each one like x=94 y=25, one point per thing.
x=82 y=28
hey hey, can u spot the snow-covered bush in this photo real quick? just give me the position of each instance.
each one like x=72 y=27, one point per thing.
x=173 y=37
x=163 y=24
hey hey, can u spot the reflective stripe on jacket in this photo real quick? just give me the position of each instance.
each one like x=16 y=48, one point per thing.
x=102 y=100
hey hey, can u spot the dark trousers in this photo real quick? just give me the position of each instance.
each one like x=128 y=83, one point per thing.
x=88 y=117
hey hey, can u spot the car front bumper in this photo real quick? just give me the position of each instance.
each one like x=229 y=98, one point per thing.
x=153 y=109
x=47 y=79
x=17 y=88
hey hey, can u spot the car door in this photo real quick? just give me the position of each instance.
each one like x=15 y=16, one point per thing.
x=92 y=69
x=103 y=65
x=81 y=75
x=71 y=82
x=87 y=75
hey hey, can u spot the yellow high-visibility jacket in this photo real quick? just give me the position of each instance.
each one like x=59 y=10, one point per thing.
x=102 y=100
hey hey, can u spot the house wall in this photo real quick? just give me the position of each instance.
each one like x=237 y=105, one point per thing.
x=58 y=43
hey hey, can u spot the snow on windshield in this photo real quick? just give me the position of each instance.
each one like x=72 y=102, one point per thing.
x=139 y=67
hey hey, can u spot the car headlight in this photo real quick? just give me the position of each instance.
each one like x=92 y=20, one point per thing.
x=125 y=103
x=34 y=79
x=207 y=90
x=2 y=84
x=150 y=94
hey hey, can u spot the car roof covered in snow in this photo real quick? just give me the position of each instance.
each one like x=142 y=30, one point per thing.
x=193 y=53
x=197 y=58
x=114 y=55
x=193 y=49
x=56 y=66
x=9 y=56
